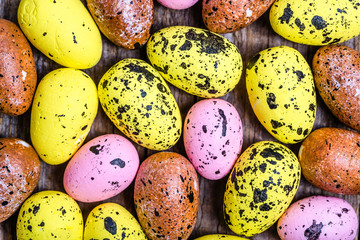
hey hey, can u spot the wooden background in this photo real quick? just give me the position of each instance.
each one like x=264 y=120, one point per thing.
x=250 y=40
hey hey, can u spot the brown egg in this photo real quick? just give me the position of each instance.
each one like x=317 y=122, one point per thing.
x=330 y=160
x=336 y=72
x=166 y=196
x=19 y=174
x=125 y=23
x=224 y=16
x=17 y=70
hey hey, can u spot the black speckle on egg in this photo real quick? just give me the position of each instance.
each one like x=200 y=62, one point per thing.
x=318 y=22
x=271 y=98
x=96 y=149
x=118 y=162
x=110 y=225
x=313 y=232
x=288 y=13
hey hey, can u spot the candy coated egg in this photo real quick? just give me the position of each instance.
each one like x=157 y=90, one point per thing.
x=178 y=4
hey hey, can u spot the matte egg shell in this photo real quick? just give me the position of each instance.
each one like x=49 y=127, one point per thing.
x=330 y=160
x=316 y=22
x=63 y=30
x=124 y=22
x=336 y=72
x=318 y=217
x=224 y=16
x=140 y=104
x=19 y=174
x=64 y=108
x=166 y=196
x=213 y=137
x=281 y=91
x=101 y=169
x=220 y=237
x=50 y=215
x=260 y=187
x=17 y=70
x=178 y=4
x=195 y=60
x=112 y=221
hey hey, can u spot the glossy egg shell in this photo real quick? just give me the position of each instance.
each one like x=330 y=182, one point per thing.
x=178 y=4
x=319 y=217
x=213 y=137
x=166 y=196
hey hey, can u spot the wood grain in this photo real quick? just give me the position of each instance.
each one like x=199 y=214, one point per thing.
x=254 y=38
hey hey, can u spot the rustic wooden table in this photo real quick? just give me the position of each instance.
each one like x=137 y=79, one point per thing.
x=250 y=40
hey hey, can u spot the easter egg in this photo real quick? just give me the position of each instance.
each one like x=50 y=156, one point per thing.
x=64 y=108
x=101 y=169
x=178 y=4
x=281 y=91
x=220 y=237
x=319 y=22
x=195 y=60
x=63 y=30
x=140 y=104
x=166 y=196
x=17 y=70
x=260 y=187
x=213 y=137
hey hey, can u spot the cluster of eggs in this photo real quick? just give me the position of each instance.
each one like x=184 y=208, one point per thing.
x=262 y=181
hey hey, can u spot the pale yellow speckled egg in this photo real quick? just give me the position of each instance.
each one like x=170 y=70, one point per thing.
x=63 y=30
x=260 y=187
x=50 y=215
x=63 y=110
x=281 y=91
x=195 y=60
x=316 y=22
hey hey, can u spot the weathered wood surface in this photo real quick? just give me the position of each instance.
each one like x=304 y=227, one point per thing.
x=250 y=40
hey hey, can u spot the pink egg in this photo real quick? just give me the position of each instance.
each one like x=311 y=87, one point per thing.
x=177 y=4
x=101 y=169
x=320 y=218
x=213 y=137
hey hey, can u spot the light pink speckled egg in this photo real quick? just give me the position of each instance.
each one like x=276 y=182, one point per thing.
x=320 y=218
x=177 y=4
x=101 y=169
x=213 y=137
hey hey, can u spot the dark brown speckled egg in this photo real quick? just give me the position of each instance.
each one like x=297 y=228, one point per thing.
x=224 y=16
x=125 y=23
x=19 y=174
x=336 y=73
x=167 y=196
x=17 y=70
x=330 y=160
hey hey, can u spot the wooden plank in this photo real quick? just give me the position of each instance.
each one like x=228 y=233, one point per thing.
x=250 y=40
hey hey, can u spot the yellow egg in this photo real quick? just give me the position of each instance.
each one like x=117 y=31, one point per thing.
x=316 y=22
x=220 y=237
x=281 y=91
x=63 y=30
x=49 y=215
x=260 y=187
x=140 y=104
x=195 y=60
x=112 y=221
x=63 y=110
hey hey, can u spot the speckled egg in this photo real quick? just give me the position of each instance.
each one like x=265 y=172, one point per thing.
x=101 y=169
x=126 y=23
x=64 y=108
x=281 y=91
x=316 y=22
x=19 y=174
x=336 y=72
x=140 y=104
x=49 y=215
x=63 y=30
x=166 y=196
x=213 y=137
x=318 y=217
x=17 y=70
x=224 y=16
x=330 y=160
x=178 y=4
x=260 y=187
x=112 y=221
x=195 y=60
x=220 y=237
